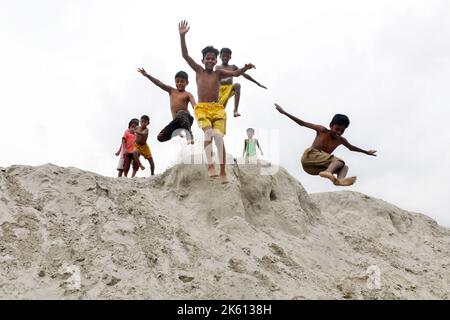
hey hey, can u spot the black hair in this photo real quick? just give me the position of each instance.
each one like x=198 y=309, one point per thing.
x=209 y=49
x=134 y=120
x=145 y=117
x=182 y=74
x=251 y=130
x=225 y=50
x=340 y=119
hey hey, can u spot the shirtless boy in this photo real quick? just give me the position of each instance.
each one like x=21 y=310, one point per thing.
x=179 y=100
x=318 y=160
x=141 y=147
x=227 y=88
x=210 y=114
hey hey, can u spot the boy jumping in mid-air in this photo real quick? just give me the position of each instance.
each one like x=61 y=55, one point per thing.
x=227 y=88
x=141 y=147
x=250 y=145
x=179 y=100
x=318 y=159
x=210 y=114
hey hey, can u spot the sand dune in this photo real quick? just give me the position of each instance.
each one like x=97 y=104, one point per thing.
x=72 y=234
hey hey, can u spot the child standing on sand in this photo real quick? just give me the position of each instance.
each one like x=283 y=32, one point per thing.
x=179 y=100
x=250 y=145
x=141 y=147
x=317 y=160
x=126 y=150
x=210 y=114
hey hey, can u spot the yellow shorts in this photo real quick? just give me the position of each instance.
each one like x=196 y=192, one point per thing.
x=226 y=91
x=144 y=150
x=211 y=114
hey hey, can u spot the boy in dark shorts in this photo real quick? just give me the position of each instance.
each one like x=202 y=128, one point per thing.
x=179 y=100
x=318 y=160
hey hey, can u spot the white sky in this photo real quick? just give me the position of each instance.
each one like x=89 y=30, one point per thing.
x=69 y=84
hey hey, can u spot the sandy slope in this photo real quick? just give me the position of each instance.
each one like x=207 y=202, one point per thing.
x=68 y=233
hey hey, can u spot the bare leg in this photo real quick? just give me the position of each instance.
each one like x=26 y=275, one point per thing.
x=341 y=174
x=120 y=173
x=152 y=166
x=218 y=139
x=237 y=97
x=342 y=180
x=208 y=151
x=332 y=168
x=136 y=158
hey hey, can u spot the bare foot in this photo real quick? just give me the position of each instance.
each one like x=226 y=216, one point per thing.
x=223 y=179
x=328 y=175
x=212 y=171
x=345 y=182
x=236 y=114
x=141 y=166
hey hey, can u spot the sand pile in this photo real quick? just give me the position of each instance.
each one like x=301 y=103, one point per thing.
x=71 y=234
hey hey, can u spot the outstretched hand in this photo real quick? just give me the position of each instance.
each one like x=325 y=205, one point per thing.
x=183 y=27
x=249 y=66
x=142 y=71
x=372 y=153
x=280 y=109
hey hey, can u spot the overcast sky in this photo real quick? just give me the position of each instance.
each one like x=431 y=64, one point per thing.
x=69 y=84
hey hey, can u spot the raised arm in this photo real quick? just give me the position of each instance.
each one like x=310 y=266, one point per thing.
x=183 y=28
x=163 y=86
x=223 y=73
x=316 y=127
x=246 y=76
x=356 y=149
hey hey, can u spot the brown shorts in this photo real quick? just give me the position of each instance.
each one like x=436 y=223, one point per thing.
x=315 y=161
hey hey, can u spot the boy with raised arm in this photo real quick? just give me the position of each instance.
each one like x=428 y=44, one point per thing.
x=318 y=160
x=227 y=88
x=210 y=114
x=179 y=100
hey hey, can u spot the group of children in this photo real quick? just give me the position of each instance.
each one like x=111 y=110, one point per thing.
x=214 y=88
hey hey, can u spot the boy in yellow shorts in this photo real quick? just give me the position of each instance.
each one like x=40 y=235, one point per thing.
x=227 y=88
x=210 y=114
x=141 y=147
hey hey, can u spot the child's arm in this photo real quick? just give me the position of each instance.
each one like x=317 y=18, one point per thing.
x=163 y=86
x=246 y=76
x=245 y=148
x=257 y=143
x=223 y=73
x=315 y=127
x=356 y=149
x=183 y=28
x=120 y=148
x=192 y=100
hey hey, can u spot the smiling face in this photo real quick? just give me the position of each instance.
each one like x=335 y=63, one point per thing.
x=337 y=130
x=181 y=83
x=210 y=60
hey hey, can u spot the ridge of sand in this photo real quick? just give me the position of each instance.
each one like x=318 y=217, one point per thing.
x=66 y=233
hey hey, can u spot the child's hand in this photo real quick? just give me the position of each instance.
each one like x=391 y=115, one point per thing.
x=280 y=109
x=372 y=153
x=183 y=27
x=117 y=153
x=142 y=71
x=249 y=66
x=263 y=86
